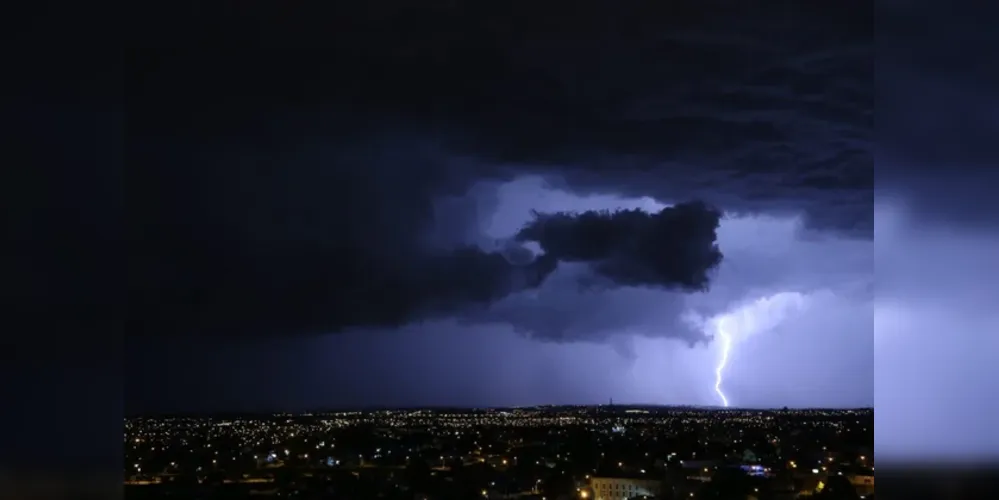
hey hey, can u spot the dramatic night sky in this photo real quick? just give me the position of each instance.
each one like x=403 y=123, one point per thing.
x=371 y=222
x=355 y=208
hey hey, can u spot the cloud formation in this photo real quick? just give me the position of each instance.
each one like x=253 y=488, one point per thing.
x=359 y=201
x=567 y=309
x=672 y=249
x=348 y=285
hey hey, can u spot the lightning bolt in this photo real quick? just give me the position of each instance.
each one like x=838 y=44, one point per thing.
x=751 y=318
x=726 y=346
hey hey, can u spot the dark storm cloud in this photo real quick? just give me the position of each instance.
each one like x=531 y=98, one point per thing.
x=284 y=190
x=673 y=249
x=375 y=269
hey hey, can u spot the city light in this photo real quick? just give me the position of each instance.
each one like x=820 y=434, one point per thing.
x=252 y=450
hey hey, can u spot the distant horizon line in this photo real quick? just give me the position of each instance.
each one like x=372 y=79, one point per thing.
x=371 y=408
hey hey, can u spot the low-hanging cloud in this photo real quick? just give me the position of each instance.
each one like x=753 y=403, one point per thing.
x=566 y=309
x=673 y=249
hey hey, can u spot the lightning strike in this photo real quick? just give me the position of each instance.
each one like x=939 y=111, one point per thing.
x=747 y=319
x=726 y=345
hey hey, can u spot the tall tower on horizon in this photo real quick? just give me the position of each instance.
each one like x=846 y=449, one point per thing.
x=611 y=402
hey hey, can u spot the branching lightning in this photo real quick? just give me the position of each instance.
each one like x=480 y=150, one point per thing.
x=726 y=345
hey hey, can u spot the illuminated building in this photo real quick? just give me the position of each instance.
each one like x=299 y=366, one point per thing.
x=864 y=483
x=617 y=488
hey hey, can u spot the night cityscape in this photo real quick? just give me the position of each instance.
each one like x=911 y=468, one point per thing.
x=457 y=250
x=602 y=452
x=484 y=220
x=472 y=223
